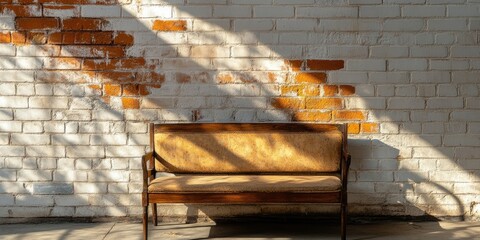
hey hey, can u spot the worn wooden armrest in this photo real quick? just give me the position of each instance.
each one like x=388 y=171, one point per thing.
x=345 y=168
x=148 y=173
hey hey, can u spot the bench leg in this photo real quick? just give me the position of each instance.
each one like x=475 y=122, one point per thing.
x=154 y=214
x=343 y=221
x=145 y=222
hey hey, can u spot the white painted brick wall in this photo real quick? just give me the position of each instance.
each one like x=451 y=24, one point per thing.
x=414 y=65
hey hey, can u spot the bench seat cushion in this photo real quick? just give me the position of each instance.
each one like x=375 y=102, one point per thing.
x=244 y=183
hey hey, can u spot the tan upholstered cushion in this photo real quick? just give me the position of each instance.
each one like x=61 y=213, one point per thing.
x=248 y=152
x=245 y=183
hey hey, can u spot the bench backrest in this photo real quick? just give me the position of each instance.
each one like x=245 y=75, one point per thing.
x=248 y=148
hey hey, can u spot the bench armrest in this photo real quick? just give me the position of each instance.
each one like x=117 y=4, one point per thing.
x=148 y=171
x=347 y=159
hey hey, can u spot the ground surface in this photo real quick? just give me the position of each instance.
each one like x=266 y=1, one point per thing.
x=256 y=230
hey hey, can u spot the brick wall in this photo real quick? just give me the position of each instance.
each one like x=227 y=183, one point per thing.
x=79 y=80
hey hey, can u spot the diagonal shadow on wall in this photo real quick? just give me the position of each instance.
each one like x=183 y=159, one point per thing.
x=206 y=89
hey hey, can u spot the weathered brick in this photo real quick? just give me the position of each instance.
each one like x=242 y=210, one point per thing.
x=406 y=103
x=169 y=25
x=37 y=23
x=27 y=10
x=117 y=139
x=5 y=37
x=45 y=151
x=108 y=176
x=85 y=151
x=311 y=77
x=130 y=103
x=52 y=188
x=288 y=103
x=369 y=127
x=13 y=102
x=29 y=200
x=34 y=175
x=324 y=103
x=313 y=116
x=82 y=24
x=348 y=115
x=80 y=187
x=125 y=151
x=8 y=175
x=89 y=11
x=30 y=139
x=61 y=11
x=327 y=12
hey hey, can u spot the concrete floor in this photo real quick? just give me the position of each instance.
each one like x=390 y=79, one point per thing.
x=256 y=230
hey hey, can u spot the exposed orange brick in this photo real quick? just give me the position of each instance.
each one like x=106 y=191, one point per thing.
x=112 y=90
x=130 y=103
x=102 y=37
x=131 y=90
x=123 y=39
x=109 y=51
x=324 y=103
x=311 y=77
x=96 y=64
x=300 y=90
x=68 y=38
x=353 y=128
x=224 y=78
x=349 y=115
x=289 y=90
x=36 y=38
x=312 y=116
x=37 y=23
x=369 y=127
x=288 y=103
x=83 y=38
x=30 y=10
x=19 y=37
x=315 y=64
x=132 y=63
x=330 y=90
x=308 y=91
x=55 y=38
x=116 y=77
x=82 y=24
x=169 y=25
x=295 y=65
x=347 y=90
x=95 y=87
x=5 y=37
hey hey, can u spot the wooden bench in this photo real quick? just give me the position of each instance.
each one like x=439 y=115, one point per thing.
x=237 y=163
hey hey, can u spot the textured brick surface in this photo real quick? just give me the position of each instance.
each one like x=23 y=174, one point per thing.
x=79 y=80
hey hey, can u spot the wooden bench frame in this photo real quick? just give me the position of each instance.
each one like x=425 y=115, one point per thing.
x=149 y=172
